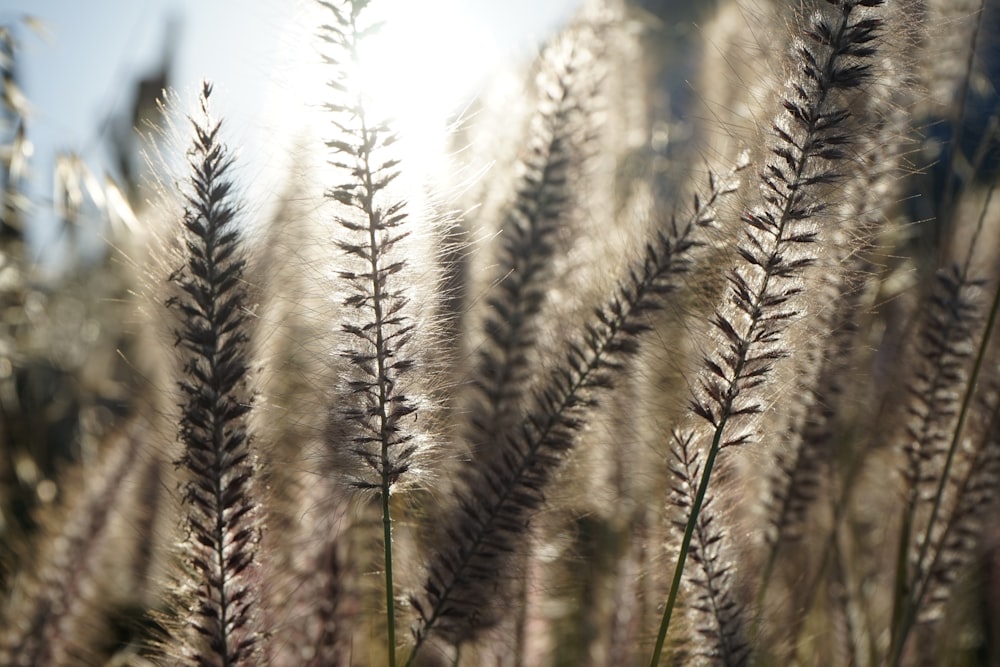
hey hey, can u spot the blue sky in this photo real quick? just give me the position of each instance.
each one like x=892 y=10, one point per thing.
x=78 y=74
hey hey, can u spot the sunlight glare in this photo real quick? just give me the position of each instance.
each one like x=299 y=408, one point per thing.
x=425 y=59
x=418 y=71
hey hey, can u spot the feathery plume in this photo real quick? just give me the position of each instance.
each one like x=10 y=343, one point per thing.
x=222 y=588
x=976 y=494
x=543 y=198
x=379 y=324
x=810 y=143
x=720 y=618
x=946 y=348
x=940 y=394
x=495 y=502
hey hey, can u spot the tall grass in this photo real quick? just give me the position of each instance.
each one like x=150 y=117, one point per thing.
x=718 y=387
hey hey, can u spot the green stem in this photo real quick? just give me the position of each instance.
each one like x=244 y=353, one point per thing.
x=385 y=434
x=699 y=500
x=389 y=596
x=369 y=138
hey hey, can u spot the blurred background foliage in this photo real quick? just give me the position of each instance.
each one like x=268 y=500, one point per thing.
x=64 y=381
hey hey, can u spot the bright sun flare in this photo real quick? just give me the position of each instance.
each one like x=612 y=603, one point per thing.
x=425 y=59
x=418 y=70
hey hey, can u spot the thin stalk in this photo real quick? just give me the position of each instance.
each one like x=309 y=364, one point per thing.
x=840 y=508
x=900 y=585
x=675 y=584
x=390 y=600
x=383 y=389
